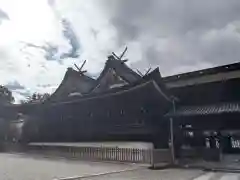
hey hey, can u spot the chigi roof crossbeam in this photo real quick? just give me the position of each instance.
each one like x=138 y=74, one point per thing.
x=121 y=56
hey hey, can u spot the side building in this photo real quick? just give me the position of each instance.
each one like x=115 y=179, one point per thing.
x=207 y=108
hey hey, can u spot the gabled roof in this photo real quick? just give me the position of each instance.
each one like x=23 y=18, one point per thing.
x=73 y=82
x=109 y=80
x=142 y=88
x=120 y=69
x=215 y=74
x=152 y=76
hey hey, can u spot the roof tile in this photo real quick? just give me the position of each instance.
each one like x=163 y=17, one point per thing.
x=229 y=107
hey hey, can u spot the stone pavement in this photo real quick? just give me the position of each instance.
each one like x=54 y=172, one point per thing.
x=167 y=174
x=29 y=167
x=229 y=163
x=146 y=174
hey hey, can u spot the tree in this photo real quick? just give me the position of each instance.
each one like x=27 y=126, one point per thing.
x=6 y=96
x=36 y=97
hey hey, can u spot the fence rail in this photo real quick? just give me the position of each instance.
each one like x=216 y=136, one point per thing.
x=133 y=155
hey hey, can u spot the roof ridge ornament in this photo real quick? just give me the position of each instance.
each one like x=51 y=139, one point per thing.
x=121 y=56
x=81 y=72
x=147 y=72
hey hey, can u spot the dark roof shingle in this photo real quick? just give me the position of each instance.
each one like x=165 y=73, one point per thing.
x=229 y=107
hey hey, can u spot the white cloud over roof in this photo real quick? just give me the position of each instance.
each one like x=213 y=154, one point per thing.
x=177 y=35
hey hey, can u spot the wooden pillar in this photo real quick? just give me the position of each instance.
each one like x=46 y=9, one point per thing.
x=172 y=133
x=172 y=140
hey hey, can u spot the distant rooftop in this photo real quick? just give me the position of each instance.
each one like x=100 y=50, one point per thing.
x=219 y=73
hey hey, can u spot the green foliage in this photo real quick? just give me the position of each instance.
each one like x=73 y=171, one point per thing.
x=5 y=95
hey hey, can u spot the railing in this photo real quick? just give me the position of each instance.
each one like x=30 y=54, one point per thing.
x=133 y=155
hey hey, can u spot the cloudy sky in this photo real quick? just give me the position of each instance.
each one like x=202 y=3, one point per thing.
x=39 y=39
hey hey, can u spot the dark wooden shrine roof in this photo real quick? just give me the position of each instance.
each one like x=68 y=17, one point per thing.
x=220 y=73
x=72 y=82
x=117 y=93
x=213 y=109
x=154 y=76
x=121 y=69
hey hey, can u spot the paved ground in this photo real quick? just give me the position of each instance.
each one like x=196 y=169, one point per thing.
x=27 y=167
x=146 y=174
x=168 y=174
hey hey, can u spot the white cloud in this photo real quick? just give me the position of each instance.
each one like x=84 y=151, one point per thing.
x=38 y=23
x=176 y=35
